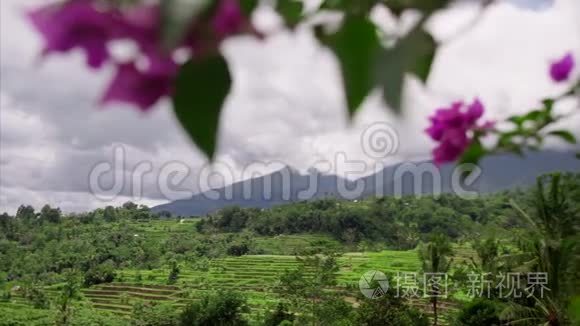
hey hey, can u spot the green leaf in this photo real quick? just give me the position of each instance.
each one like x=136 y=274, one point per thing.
x=536 y=116
x=426 y=6
x=290 y=10
x=473 y=153
x=548 y=104
x=356 y=45
x=248 y=6
x=200 y=90
x=333 y=4
x=359 y=7
x=176 y=18
x=517 y=120
x=506 y=141
x=578 y=155
x=412 y=54
x=564 y=135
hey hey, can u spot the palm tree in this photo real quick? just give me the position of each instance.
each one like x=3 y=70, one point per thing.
x=548 y=247
x=435 y=259
x=544 y=312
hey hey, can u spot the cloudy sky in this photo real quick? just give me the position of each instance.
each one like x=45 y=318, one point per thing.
x=286 y=104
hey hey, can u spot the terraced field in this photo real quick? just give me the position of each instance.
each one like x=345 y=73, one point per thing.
x=119 y=297
x=254 y=275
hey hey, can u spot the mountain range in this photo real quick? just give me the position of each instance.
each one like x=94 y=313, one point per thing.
x=500 y=172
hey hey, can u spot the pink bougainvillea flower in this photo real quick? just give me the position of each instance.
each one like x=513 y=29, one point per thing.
x=144 y=86
x=451 y=128
x=229 y=19
x=75 y=23
x=90 y=25
x=452 y=145
x=436 y=130
x=445 y=119
x=560 y=69
x=141 y=88
x=142 y=24
x=474 y=112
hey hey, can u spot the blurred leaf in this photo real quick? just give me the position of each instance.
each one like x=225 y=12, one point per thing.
x=535 y=116
x=248 y=6
x=548 y=104
x=574 y=310
x=506 y=141
x=359 y=7
x=290 y=10
x=426 y=6
x=200 y=91
x=333 y=4
x=578 y=155
x=564 y=135
x=506 y=137
x=176 y=18
x=473 y=153
x=518 y=120
x=356 y=46
x=412 y=54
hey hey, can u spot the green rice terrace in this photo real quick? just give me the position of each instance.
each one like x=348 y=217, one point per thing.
x=307 y=263
x=255 y=276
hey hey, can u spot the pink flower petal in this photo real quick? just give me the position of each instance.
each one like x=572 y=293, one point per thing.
x=229 y=19
x=560 y=70
x=72 y=24
x=474 y=112
x=135 y=87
